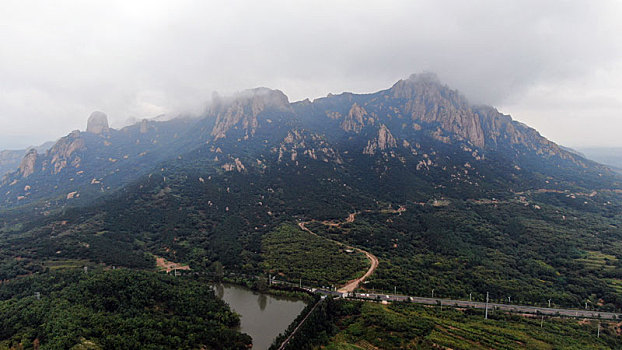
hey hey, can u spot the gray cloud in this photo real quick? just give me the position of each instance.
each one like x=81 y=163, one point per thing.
x=555 y=65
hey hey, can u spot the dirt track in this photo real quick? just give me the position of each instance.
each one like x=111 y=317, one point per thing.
x=353 y=284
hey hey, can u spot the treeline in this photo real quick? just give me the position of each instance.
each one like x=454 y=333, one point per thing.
x=116 y=309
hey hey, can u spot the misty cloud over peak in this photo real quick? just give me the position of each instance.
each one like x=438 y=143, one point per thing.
x=544 y=62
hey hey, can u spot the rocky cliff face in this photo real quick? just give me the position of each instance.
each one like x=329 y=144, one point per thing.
x=64 y=153
x=241 y=111
x=424 y=99
x=28 y=164
x=502 y=131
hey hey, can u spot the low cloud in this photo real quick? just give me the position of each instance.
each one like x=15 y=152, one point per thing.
x=534 y=59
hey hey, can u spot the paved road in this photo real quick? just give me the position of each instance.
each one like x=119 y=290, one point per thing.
x=481 y=305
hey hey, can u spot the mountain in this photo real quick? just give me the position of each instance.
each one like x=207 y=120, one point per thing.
x=10 y=159
x=419 y=125
x=611 y=156
x=85 y=165
x=485 y=202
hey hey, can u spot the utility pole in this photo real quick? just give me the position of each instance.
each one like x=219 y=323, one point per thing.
x=470 y=296
x=300 y=283
x=598 y=334
x=432 y=292
x=549 y=303
x=486 y=314
x=395 y=290
x=509 y=299
x=542 y=321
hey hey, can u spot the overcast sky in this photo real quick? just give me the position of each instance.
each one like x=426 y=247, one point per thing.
x=554 y=65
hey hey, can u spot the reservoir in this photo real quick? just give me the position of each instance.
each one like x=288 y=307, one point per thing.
x=262 y=316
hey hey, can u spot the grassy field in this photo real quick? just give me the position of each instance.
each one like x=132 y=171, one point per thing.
x=597 y=260
x=364 y=325
x=65 y=264
x=293 y=254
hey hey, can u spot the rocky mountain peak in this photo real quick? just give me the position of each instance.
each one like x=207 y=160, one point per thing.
x=97 y=123
x=424 y=99
x=417 y=85
x=243 y=108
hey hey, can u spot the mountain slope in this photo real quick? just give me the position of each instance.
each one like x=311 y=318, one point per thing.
x=86 y=165
x=430 y=129
x=488 y=203
x=11 y=159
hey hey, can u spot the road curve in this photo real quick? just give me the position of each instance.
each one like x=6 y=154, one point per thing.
x=353 y=284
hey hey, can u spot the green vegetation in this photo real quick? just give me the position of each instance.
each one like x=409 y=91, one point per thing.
x=65 y=264
x=531 y=253
x=315 y=311
x=349 y=324
x=117 y=309
x=294 y=254
x=597 y=260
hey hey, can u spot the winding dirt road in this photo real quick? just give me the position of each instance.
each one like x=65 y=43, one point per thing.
x=353 y=284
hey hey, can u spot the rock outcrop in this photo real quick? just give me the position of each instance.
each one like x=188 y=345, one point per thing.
x=63 y=153
x=97 y=123
x=27 y=167
x=356 y=119
x=299 y=144
x=382 y=142
x=501 y=130
x=242 y=110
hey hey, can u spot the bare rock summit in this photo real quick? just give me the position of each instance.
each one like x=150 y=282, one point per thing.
x=97 y=123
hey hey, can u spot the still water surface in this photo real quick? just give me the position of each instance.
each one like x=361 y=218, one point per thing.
x=263 y=316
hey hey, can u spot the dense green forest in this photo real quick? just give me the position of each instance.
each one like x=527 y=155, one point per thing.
x=350 y=325
x=115 y=309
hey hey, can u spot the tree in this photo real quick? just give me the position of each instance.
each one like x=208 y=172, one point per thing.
x=218 y=270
